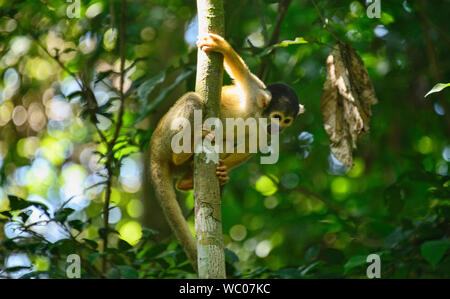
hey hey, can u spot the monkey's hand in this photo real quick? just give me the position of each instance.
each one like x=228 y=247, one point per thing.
x=222 y=173
x=213 y=42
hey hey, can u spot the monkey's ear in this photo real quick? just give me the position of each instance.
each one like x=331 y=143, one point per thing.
x=301 y=109
x=263 y=100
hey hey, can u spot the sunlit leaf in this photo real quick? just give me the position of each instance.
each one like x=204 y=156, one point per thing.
x=282 y=44
x=437 y=88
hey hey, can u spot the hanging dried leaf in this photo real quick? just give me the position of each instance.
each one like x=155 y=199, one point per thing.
x=347 y=97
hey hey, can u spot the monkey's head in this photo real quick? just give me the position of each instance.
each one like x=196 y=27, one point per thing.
x=283 y=106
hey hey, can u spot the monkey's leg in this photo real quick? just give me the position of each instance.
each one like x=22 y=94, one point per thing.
x=185 y=183
x=182 y=157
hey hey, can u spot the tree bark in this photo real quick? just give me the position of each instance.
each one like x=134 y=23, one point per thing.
x=208 y=222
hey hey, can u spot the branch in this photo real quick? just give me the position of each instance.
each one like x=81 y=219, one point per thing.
x=208 y=222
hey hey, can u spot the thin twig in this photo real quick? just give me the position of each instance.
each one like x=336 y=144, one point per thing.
x=282 y=9
x=322 y=19
x=111 y=144
x=111 y=12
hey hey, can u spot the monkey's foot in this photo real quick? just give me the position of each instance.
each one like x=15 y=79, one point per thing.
x=222 y=173
x=185 y=184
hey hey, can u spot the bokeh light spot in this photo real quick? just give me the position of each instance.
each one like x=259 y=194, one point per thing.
x=358 y=168
x=238 y=232
x=425 y=145
x=131 y=232
x=340 y=187
x=135 y=208
x=263 y=248
x=266 y=186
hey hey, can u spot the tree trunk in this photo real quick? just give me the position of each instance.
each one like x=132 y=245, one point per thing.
x=208 y=222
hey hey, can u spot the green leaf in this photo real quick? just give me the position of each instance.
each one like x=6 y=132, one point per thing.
x=65 y=246
x=162 y=95
x=16 y=203
x=230 y=256
x=61 y=215
x=77 y=93
x=17 y=268
x=288 y=273
x=167 y=254
x=6 y=214
x=296 y=41
x=148 y=86
x=148 y=233
x=433 y=251
x=102 y=75
x=312 y=253
x=310 y=267
x=102 y=231
x=123 y=245
x=91 y=243
x=128 y=272
x=282 y=44
x=333 y=256
x=437 y=88
x=77 y=224
x=94 y=256
x=355 y=261
x=25 y=216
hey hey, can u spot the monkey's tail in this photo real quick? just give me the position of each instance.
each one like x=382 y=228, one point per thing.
x=167 y=198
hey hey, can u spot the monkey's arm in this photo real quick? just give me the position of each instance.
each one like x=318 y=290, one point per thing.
x=235 y=66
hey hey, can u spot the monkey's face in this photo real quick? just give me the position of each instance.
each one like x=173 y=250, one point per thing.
x=283 y=107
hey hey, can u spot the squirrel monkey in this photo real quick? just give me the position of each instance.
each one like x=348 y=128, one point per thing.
x=247 y=97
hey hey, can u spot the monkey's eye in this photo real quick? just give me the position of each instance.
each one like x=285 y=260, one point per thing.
x=287 y=121
x=276 y=115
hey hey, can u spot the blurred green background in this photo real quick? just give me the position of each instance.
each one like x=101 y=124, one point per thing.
x=305 y=216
